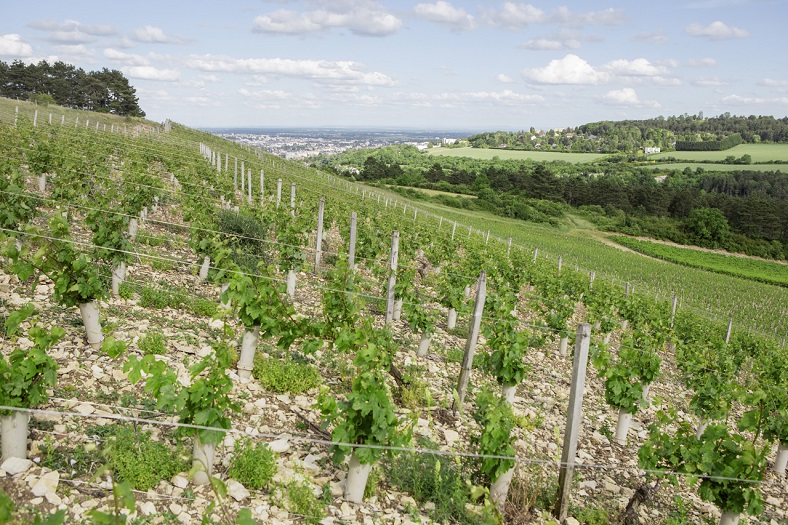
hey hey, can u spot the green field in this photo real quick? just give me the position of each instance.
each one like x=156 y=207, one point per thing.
x=755 y=269
x=758 y=152
x=671 y=166
x=507 y=154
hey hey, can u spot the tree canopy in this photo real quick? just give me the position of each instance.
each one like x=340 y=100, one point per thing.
x=105 y=91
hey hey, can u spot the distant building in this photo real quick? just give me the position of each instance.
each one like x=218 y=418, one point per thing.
x=449 y=141
x=649 y=151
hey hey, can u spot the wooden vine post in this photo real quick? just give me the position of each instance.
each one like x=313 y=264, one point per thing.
x=319 y=243
x=390 y=300
x=574 y=418
x=470 y=344
x=351 y=249
x=278 y=192
x=292 y=199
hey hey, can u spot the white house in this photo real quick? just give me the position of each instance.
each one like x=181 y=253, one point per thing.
x=649 y=151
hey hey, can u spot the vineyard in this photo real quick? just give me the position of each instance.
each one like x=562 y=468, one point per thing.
x=757 y=270
x=197 y=332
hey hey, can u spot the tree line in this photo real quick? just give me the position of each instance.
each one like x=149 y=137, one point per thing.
x=628 y=136
x=104 y=91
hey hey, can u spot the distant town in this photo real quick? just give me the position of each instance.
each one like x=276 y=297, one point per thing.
x=304 y=142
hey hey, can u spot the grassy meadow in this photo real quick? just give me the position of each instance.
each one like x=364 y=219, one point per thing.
x=508 y=154
x=758 y=152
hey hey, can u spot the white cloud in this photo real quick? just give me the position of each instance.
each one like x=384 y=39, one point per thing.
x=656 y=37
x=716 y=31
x=771 y=82
x=665 y=81
x=151 y=73
x=516 y=15
x=154 y=35
x=361 y=17
x=569 y=70
x=752 y=101
x=73 y=25
x=125 y=58
x=276 y=99
x=75 y=50
x=442 y=12
x=702 y=62
x=12 y=45
x=341 y=71
x=506 y=79
x=626 y=97
x=70 y=37
x=547 y=44
x=637 y=67
x=709 y=82
x=607 y=17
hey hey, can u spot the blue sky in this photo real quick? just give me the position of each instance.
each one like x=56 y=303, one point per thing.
x=484 y=64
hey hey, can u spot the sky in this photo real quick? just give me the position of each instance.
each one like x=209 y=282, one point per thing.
x=445 y=64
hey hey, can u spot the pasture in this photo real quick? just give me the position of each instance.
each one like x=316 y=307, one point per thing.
x=507 y=154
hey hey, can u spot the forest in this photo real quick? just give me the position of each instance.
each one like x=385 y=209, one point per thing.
x=105 y=91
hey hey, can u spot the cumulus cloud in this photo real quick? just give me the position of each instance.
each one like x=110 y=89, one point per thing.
x=154 y=35
x=506 y=79
x=518 y=15
x=568 y=70
x=547 y=44
x=125 y=58
x=361 y=17
x=12 y=45
x=75 y=50
x=656 y=37
x=702 y=62
x=753 y=101
x=626 y=97
x=637 y=67
x=72 y=25
x=276 y=99
x=341 y=71
x=151 y=73
x=574 y=70
x=444 y=13
x=716 y=31
x=771 y=82
x=606 y=17
x=709 y=82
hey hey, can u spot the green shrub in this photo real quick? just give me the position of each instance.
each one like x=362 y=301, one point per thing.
x=254 y=465
x=285 y=376
x=133 y=457
x=152 y=343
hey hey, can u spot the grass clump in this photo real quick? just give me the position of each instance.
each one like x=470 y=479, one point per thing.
x=254 y=465
x=134 y=457
x=152 y=343
x=433 y=478
x=286 y=376
x=177 y=298
x=297 y=497
x=246 y=237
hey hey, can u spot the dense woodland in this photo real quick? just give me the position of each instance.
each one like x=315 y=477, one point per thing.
x=105 y=91
x=741 y=211
x=628 y=136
